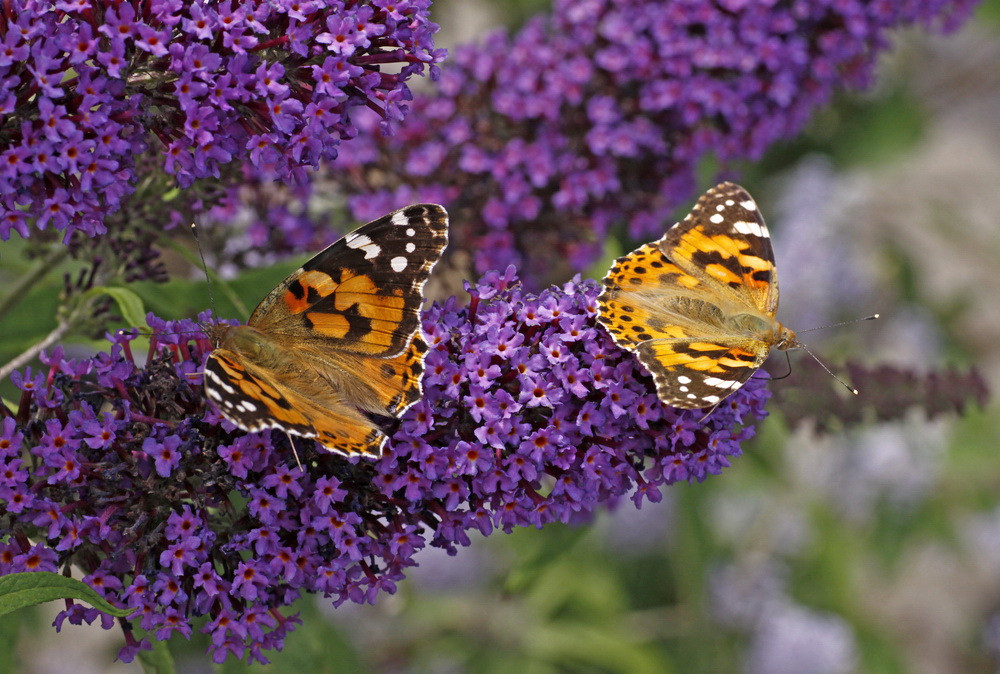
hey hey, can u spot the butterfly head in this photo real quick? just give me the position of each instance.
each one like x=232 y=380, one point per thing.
x=216 y=333
x=787 y=339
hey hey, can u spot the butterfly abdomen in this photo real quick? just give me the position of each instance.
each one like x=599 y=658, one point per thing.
x=756 y=326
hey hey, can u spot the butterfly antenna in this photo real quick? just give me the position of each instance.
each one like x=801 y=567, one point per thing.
x=821 y=364
x=846 y=385
x=204 y=267
x=837 y=325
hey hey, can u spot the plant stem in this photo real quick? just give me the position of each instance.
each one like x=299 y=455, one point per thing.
x=21 y=360
x=20 y=288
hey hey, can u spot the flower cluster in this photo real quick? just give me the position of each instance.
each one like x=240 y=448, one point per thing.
x=889 y=393
x=602 y=112
x=90 y=84
x=530 y=415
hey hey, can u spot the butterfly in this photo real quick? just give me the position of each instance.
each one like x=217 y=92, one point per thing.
x=698 y=306
x=338 y=343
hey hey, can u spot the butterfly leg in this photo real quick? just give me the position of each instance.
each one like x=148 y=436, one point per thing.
x=709 y=412
x=291 y=443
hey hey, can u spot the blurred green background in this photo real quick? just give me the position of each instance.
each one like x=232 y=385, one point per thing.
x=875 y=549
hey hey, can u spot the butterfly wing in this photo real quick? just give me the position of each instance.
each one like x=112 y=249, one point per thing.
x=725 y=243
x=692 y=374
x=396 y=381
x=672 y=302
x=362 y=294
x=254 y=400
x=646 y=296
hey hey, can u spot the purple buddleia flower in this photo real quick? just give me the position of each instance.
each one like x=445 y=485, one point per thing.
x=192 y=83
x=789 y=639
x=601 y=114
x=141 y=496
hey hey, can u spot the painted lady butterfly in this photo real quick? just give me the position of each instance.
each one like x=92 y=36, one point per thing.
x=698 y=306
x=338 y=343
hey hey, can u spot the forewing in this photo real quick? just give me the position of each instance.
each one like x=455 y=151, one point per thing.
x=363 y=293
x=724 y=243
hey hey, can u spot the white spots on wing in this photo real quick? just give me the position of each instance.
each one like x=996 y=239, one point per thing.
x=362 y=242
x=683 y=389
x=398 y=263
x=716 y=218
x=220 y=382
x=410 y=247
x=246 y=406
x=683 y=379
x=399 y=219
x=720 y=207
x=711 y=400
x=729 y=202
x=692 y=396
x=722 y=383
x=411 y=232
x=746 y=228
x=749 y=204
x=220 y=392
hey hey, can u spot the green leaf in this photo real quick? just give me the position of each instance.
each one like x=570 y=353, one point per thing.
x=158 y=660
x=18 y=590
x=595 y=648
x=989 y=13
x=130 y=304
x=541 y=549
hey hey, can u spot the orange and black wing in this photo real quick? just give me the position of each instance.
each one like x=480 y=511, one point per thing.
x=673 y=302
x=363 y=293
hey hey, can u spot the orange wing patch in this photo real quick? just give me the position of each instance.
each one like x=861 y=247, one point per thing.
x=632 y=303
x=396 y=381
x=724 y=258
x=307 y=289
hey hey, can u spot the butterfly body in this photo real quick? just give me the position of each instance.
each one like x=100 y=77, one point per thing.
x=698 y=306
x=338 y=341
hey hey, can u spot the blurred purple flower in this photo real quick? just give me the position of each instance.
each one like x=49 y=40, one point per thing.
x=141 y=496
x=792 y=639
